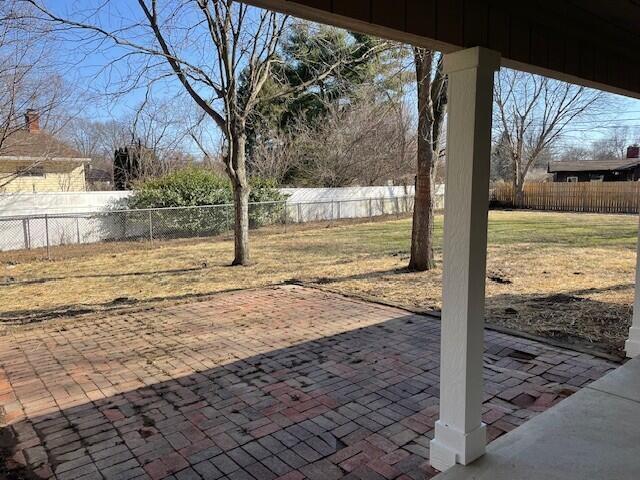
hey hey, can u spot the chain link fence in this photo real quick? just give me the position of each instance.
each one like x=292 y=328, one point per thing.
x=152 y=225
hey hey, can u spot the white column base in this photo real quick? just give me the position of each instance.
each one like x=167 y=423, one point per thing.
x=632 y=345
x=452 y=446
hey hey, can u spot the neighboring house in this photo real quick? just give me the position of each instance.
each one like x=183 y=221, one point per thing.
x=32 y=160
x=98 y=178
x=618 y=170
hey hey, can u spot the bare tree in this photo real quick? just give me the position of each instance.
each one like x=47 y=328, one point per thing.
x=162 y=128
x=158 y=131
x=340 y=149
x=532 y=113
x=28 y=81
x=613 y=146
x=209 y=46
x=432 y=99
x=97 y=139
x=575 y=152
x=275 y=154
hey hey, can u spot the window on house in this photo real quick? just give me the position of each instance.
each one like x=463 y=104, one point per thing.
x=572 y=179
x=34 y=171
x=597 y=178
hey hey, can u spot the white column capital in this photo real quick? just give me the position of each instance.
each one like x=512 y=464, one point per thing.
x=477 y=57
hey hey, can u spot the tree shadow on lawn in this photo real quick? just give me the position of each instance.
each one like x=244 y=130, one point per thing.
x=491 y=277
x=362 y=401
x=356 y=276
x=35 y=281
x=117 y=305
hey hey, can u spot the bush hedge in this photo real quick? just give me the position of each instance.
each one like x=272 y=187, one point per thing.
x=193 y=187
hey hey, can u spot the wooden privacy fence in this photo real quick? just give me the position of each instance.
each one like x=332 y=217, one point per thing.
x=600 y=197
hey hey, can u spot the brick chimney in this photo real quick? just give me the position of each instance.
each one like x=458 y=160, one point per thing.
x=633 y=151
x=32 y=120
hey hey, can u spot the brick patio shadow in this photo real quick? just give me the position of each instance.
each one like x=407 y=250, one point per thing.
x=273 y=383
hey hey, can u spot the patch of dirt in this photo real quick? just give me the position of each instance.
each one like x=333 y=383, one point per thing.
x=566 y=318
x=498 y=278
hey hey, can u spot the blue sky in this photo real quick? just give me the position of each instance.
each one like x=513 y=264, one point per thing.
x=92 y=68
x=93 y=65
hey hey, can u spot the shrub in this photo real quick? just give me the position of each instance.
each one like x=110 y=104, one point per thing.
x=261 y=212
x=191 y=187
x=187 y=187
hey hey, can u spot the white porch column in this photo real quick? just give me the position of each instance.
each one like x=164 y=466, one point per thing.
x=632 y=345
x=459 y=433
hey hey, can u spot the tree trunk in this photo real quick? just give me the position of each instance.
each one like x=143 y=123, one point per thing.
x=518 y=192
x=519 y=196
x=422 y=228
x=241 y=191
x=241 y=227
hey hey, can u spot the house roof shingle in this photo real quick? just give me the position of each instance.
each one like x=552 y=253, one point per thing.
x=41 y=145
x=592 y=165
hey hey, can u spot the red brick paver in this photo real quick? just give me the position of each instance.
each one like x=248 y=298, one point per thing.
x=287 y=383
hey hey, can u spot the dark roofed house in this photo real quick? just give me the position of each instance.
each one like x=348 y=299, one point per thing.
x=33 y=160
x=98 y=178
x=613 y=170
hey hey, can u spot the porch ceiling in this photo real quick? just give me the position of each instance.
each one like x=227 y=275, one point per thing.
x=590 y=42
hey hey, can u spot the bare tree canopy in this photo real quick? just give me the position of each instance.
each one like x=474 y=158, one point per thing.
x=339 y=148
x=212 y=48
x=612 y=146
x=532 y=113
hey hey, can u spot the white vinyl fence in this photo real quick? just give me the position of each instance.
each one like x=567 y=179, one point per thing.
x=49 y=230
x=19 y=204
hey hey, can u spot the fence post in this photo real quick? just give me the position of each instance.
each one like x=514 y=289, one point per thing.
x=150 y=228
x=78 y=229
x=339 y=203
x=299 y=212
x=286 y=214
x=46 y=229
x=370 y=207
x=26 y=234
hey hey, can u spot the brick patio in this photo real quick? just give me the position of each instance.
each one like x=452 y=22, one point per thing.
x=275 y=383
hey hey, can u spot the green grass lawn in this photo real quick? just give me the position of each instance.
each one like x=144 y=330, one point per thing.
x=505 y=228
x=570 y=229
